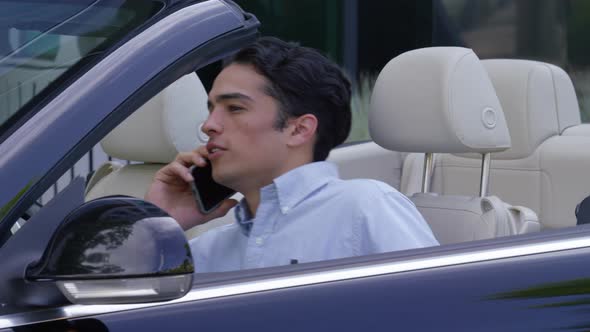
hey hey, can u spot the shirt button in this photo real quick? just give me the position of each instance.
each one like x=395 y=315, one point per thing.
x=285 y=209
x=259 y=241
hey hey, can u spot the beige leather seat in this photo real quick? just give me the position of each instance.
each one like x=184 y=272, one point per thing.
x=507 y=78
x=441 y=100
x=546 y=168
x=151 y=137
x=370 y=161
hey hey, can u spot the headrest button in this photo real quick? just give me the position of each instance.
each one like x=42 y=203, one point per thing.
x=488 y=117
x=203 y=138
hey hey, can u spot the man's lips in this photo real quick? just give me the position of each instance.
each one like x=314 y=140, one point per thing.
x=214 y=150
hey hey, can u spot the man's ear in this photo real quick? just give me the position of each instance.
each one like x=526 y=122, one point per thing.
x=302 y=130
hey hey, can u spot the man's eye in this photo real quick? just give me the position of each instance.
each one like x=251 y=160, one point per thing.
x=235 y=108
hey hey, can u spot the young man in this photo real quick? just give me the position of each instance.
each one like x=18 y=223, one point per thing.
x=275 y=111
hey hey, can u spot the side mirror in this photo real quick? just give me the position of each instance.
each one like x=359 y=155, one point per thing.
x=117 y=249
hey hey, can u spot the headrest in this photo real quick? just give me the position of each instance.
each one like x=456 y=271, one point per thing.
x=538 y=99
x=579 y=130
x=437 y=99
x=165 y=125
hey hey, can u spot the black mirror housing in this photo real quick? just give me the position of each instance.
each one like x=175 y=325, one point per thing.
x=117 y=249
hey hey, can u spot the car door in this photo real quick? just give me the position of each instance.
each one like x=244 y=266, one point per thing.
x=525 y=283
x=536 y=282
x=528 y=283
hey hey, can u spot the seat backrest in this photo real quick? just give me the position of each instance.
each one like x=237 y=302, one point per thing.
x=546 y=169
x=564 y=94
x=370 y=161
x=441 y=100
x=151 y=137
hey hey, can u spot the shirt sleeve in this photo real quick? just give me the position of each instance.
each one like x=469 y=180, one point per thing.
x=389 y=221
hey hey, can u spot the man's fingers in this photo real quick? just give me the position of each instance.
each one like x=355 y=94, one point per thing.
x=199 y=161
x=180 y=167
x=175 y=170
x=195 y=157
x=184 y=158
x=199 y=155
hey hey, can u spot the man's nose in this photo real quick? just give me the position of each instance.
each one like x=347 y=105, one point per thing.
x=212 y=125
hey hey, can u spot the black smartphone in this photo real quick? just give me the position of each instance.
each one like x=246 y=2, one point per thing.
x=208 y=193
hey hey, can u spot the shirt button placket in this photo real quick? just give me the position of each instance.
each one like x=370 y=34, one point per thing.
x=259 y=240
x=255 y=246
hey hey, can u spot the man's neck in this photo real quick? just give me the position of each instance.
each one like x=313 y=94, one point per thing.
x=252 y=194
x=252 y=201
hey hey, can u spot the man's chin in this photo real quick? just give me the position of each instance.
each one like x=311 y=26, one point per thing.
x=224 y=179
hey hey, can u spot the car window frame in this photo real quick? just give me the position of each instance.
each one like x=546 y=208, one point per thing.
x=39 y=101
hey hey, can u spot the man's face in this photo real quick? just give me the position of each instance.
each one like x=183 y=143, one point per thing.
x=245 y=149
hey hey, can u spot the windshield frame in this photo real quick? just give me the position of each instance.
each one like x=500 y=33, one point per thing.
x=84 y=63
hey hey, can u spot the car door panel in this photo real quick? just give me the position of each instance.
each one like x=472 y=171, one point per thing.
x=504 y=295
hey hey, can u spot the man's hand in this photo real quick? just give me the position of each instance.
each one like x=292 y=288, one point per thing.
x=171 y=191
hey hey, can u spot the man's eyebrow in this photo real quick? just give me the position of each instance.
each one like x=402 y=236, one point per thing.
x=235 y=95
x=228 y=96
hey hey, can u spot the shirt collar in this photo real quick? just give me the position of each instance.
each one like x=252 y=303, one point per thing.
x=295 y=185
x=243 y=216
x=290 y=189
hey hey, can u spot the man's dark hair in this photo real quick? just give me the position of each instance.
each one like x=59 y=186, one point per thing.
x=303 y=82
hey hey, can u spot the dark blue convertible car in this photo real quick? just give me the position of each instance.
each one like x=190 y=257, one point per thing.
x=81 y=251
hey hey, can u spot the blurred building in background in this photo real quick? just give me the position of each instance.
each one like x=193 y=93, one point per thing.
x=362 y=36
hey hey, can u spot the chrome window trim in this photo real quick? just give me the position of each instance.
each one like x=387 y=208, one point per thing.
x=310 y=278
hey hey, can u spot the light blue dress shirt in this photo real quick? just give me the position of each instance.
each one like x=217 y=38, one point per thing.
x=310 y=214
